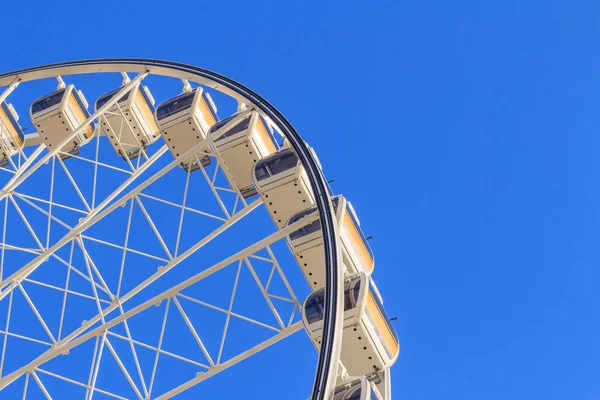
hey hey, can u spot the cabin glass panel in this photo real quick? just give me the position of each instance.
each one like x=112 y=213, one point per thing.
x=240 y=127
x=355 y=394
x=315 y=304
x=105 y=98
x=313 y=226
x=47 y=102
x=272 y=166
x=307 y=229
x=174 y=106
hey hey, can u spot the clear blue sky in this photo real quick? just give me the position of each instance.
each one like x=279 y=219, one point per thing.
x=466 y=134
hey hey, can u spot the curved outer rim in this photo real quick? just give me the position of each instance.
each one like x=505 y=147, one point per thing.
x=327 y=366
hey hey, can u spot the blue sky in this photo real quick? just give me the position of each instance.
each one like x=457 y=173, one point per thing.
x=466 y=135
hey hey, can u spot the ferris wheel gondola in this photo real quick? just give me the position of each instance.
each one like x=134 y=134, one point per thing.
x=307 y=243
x=364 y=388
x=60 y=113
x=184 y=121
x=370 y=343
x=248 y=161
x=11 y=133
x=242 y=145
x=283 y=184
x=129 y=124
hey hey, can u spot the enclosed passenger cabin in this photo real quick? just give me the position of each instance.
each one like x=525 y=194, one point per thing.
x=129 y=124
x=11 y=133
x=359 y=389
x=59 y=114
x=283 y=185
x=241 y=146
x=370 y=343
x=184 y=121
x=307 y=244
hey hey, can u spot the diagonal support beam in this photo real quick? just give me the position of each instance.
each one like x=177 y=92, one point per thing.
x=25 y=171
x=95 y=215
x=231 y=362
x=92 y=217
x=72 y=340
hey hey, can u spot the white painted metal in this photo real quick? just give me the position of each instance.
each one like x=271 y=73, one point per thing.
x=248 y=140
x=307 y=245
x=184 y=121
x=106 y=300
x=284 y=191
x=370 y=344
x=73 y=340
x=129 y=124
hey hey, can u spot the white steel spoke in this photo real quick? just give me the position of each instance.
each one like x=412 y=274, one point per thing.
x=133 y=352
x=92 y=217
x=99 y=212
x=156 y=232
x=124 y=256
x=3 y=239
x=283 y=278
x=182 y=213
x=74 y=382
x=25 y=386
x=155 y=349
x=264 y=292
x=147 y=178
x=193 y=330
x=224 y=311
x=123 y=369
x=9 y=89
x=223 y=366
x=75 y=186
x=124 y=248
x=89 y=270
x=96 y=367
x=99 y=164
x=95 y=179
x=23 y=196
x=74 y=339
x=6 y=333
x=26 y=222
x=212 y=188
x=85 y=296
x=160 y=340
x=26 y=170
x=30 y=339
x=224 y=335
x=185 y=208
x=41 y=210
x=50 y=203
x=41 y=385
x=90 y=263
x=36 y=312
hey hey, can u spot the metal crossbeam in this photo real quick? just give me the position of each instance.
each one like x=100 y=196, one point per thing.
x=71 y=341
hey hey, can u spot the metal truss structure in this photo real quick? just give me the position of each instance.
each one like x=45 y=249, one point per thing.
x=108 y=264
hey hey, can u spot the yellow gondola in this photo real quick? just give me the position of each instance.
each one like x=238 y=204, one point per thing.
x=307 y=244
x=59 y=114
x=129 y=125
x=283 y=184
x=241 y=146
x=370 y=343
x=184 y=121
x=11 y=133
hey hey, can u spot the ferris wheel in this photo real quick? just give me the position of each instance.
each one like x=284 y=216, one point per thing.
x=169 y=232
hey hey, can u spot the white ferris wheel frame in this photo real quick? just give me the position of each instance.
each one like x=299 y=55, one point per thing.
x=328 y=364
